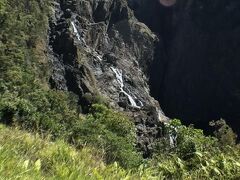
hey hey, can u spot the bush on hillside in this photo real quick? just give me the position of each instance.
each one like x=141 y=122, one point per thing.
x=224 y=133
x=197 y=156
x=110 y=131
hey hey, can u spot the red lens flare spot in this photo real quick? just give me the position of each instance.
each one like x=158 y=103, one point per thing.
x=167 y=3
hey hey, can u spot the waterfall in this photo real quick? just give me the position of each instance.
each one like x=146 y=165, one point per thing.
x=119 y=77
x=173 y=137
x=89 y=49
x=76 y=33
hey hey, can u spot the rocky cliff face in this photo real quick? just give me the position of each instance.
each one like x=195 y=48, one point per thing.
x=99 y=48
x=196 y=71
x=183 y=53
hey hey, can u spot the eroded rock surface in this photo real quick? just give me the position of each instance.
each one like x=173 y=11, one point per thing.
x=184 y=53
x=99 y=47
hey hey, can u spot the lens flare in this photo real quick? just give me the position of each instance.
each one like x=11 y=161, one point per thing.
x=167 y=2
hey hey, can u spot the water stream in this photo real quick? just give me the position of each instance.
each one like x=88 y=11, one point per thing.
x=76 y=33
x=119 y=77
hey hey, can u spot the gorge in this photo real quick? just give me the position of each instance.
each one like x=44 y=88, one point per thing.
x=195 y=75
x=119 y=89
x=184 y=54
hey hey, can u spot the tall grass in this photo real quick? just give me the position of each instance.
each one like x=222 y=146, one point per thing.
x=26 y=156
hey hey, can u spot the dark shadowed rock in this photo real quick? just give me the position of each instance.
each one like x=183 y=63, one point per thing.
x=196 y=74
x=99 y=47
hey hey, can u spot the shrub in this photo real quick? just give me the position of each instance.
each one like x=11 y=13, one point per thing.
x=196 y=156
x=110 y=131
x=224 y=133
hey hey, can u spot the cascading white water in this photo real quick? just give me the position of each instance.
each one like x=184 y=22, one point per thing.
x=132 y=101
x=76 y=33
x=160 y=114
x=141 y=103
x=95 y=54
x=173 y=137
x=119 y=76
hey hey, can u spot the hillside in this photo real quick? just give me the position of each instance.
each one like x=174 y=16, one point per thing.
x=82 y=91
x=28 y=156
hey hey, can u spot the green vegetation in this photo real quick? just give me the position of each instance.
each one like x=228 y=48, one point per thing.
x=64 y=144
x=111 y=132
x=196 y=156
x=26 y=156
x=224 y=133
x=27 y=102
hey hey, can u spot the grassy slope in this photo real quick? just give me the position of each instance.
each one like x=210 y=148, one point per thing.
x=27 y=102
x=24 y=156
x=27 y=156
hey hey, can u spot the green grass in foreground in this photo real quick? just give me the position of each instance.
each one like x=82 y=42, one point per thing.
x=28 y=103
x=27 y=156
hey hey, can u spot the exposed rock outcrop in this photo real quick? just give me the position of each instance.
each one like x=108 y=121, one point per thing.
x=99 y=47
x=183 y=53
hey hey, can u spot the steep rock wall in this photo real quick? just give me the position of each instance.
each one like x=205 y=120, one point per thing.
x=185 y=54
x=195 y=75
x=100 y=48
